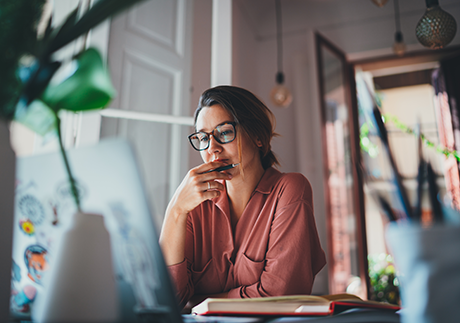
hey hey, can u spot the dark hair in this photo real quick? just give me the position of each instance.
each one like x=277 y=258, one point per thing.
x=250 y=114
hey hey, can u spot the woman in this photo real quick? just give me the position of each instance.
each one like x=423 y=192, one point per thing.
x=248 y=231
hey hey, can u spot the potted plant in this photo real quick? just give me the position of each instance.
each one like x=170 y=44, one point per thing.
x=28 y=95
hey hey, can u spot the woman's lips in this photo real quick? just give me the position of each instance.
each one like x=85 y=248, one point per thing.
x=225 y=161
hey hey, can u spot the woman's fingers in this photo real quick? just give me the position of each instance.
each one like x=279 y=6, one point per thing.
x=203 y=168
x=212 y=185
x=202 y=174
x=199 y=186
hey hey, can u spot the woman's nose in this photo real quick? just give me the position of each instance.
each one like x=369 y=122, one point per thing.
x=213 y=145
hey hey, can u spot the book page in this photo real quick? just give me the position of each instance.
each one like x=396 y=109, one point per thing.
x=344 y=296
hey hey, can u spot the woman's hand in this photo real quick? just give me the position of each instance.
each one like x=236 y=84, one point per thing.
x=197 y=186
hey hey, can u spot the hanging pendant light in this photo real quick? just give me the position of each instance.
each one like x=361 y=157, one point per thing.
x=399 y=47
x=380 y=3
x=436 y=28
x=280 y=94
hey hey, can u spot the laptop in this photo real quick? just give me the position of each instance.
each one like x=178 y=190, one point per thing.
x=110 y=184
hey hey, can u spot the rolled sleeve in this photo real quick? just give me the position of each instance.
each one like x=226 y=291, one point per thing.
x=180 y=277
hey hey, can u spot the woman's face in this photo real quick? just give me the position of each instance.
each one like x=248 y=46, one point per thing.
x=208 y=119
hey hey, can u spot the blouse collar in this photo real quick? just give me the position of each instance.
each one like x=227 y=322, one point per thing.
x=265 y=186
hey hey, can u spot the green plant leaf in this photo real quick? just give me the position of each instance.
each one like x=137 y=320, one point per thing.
x=18 y=22
x=95 y=15
x=49 y=28
x=39 y=81
x=38 y=117
x=88 y=88
x=69 y=22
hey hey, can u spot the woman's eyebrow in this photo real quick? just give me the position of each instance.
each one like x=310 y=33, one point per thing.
x=203 y=130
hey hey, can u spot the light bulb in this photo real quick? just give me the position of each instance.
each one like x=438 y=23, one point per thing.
x=380 y=3
x=436 y=28
x=399 y=47
x=281 y=96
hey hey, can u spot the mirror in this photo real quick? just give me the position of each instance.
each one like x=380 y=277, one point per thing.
x=346 y=260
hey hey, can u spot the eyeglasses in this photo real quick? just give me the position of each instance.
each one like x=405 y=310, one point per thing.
x=223 y=133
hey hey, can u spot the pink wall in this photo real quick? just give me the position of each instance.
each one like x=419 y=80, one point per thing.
x=299 y=146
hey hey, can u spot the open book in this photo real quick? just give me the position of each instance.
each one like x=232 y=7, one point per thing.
x=287 y=305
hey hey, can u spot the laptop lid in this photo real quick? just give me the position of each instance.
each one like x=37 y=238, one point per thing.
x=110 y=184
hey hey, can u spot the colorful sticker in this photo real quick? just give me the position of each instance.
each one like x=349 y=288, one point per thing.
x=36 y=259
x=15 y=272
x=21 y=300
x=31 y=208
x=27 y=227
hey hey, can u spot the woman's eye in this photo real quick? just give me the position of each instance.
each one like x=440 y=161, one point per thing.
x=203 y=138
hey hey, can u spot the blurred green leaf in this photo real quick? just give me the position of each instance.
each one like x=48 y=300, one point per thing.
x=94 y=16
x=38 y=117
x=49 y=28
x=69 y=22
x=88 y=88
x=18 y=23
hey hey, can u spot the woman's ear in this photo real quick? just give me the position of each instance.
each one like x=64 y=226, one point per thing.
x=258 y=143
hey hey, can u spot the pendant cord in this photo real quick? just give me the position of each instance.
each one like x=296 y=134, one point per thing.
x=397 y=21
x=279 y=38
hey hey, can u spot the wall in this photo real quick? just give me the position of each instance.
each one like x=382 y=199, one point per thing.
x=358 y=27
x=254 y=68
x=201 y=61
x=299 y=144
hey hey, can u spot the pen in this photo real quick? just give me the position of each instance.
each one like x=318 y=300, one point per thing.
x=219 y=169
x=417 y=213
x=434 y=190
x=396 y=175
x=387 y=209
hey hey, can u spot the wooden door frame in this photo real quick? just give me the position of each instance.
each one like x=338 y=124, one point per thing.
x=417 y=57
x=358 y=193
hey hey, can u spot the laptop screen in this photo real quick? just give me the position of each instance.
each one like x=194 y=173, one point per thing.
x=110 y=184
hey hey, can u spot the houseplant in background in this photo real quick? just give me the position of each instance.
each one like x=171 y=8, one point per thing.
x=29 y=94
x=383 y=279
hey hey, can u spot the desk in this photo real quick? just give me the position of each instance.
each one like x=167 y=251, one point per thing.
x=350 y=316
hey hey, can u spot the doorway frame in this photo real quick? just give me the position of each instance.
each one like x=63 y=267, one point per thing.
x=349 y=69
x=358 y=193
x=382 y=62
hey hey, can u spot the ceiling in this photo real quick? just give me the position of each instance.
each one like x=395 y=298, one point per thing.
x=353 y=25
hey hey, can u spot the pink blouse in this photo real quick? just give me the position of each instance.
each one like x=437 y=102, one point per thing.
x=275 y=249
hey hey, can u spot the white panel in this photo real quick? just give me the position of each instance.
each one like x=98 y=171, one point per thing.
x=151 y=117
x=89 y=127
x=160 y=21
x=148 y=85
x=221 y=60
x=150 y=62
x=153 y=148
